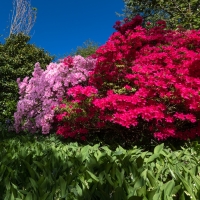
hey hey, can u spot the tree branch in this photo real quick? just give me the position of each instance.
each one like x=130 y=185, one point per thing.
x=23 y=17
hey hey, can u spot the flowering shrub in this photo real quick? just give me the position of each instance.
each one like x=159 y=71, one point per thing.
x=76 y=117
x=41 y=93
x=146 y=75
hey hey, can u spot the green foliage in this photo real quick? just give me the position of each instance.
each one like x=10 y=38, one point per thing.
x=183 y=12
x=88 y=48
x=17 y=60
x=38 y=168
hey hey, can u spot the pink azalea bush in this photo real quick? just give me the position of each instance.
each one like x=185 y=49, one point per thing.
x=41 y=93
x=147 y=78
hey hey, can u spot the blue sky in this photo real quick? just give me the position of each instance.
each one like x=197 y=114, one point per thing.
x=62 y=25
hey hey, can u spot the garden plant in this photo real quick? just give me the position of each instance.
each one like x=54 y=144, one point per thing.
x=17 y=59
x=141 y=87
x=145 y=80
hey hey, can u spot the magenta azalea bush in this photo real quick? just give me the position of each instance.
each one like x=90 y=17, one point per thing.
x=76 y=117
x=146 y=78
x=41 y=93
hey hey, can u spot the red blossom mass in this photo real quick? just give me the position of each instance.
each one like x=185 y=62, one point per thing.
x=141 y=75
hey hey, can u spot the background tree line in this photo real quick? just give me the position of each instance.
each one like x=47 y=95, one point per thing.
x=175 y=12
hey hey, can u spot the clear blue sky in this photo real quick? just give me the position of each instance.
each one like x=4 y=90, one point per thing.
x=62 y=25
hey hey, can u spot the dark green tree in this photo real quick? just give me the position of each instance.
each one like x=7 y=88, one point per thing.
x=174 y=12
x=17 y=60
x=88 y=48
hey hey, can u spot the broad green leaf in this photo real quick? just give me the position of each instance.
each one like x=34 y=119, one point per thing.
x=14 y=186
x=34 y=184
x=182 y=195
x=142 y=191
x=108 y=167
x=63 y=187
x=85 y=151
x=152 y=179
x=151 y=193
x=120 y=176
x=158 y=149
x=29 y=196
x=157 y=195
x=39 y=165
x=139 y=183
x=168 y=188
x=129 y=189
x=79 y=190
x=108 y=178
x=176 y=189
x=143 y=154
x=152 y=158
x=46 y=196
x=107 y=150
x=98 y=155
x=172 y=173
x=96 y=147
x=41 y=180
x=92 y=176
x=12 y=197
x=101 y=177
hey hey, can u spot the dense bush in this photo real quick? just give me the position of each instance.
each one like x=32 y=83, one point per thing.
x=146 y=80
x=78 y=115
x=36 y=168
x=17 y=58
x=41 y=93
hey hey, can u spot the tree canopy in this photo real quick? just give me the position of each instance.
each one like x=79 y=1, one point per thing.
x=88 y=48
x=174 y=12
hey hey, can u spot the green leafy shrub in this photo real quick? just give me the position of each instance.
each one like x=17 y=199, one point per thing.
x=17 y=59
x=35 y=168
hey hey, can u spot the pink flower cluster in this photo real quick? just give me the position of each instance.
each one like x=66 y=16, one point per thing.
x=145 y=75
x=41 y=93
